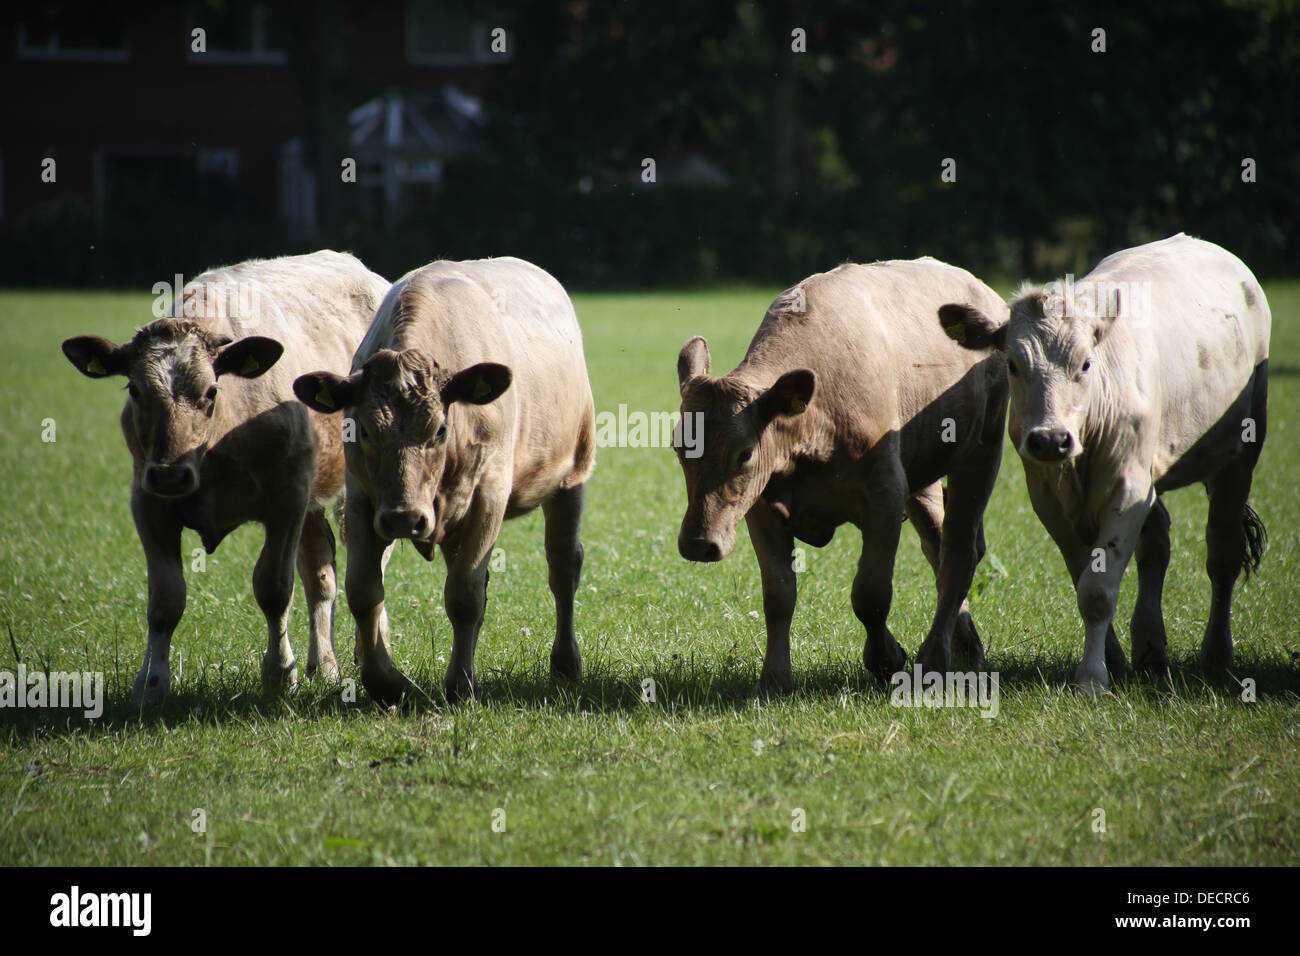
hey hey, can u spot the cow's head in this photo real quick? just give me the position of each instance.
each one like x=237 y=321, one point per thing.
x=1051 y=351
x=399 y=403
x=172 y=369
x=746 y=437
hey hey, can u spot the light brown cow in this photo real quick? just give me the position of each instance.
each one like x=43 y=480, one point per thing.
x=472 y=405
x=1149 y=374
x=218 y=439
x=850 y=407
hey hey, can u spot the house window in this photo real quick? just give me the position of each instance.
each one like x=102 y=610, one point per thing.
x=137 y=187
x=71 y=31
x=238 y=31
x=447 y=33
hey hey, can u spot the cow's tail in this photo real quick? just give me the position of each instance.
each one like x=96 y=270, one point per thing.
x=340 y=511
x=1254 y=539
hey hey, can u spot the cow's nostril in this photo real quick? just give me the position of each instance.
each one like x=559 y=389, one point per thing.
x=169 y=479
x=699 y=549
x=1049 y=444
x=402 y=524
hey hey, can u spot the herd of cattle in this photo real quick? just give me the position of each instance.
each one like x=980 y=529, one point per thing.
x=440 y=405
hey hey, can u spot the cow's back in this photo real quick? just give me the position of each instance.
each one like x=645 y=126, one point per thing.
x=1184 y=350
x=882 y=360
x=318 y=306
x=508 y=311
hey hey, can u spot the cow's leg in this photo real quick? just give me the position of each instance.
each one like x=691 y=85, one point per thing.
x=873 y=585
x=1097 y=589
x=961 y=548
x=465 y=593
x=1076 y=554
x=367 y=559
x=273 y=589
x=563 y=513
x=925 y=511
x=1234 y=535
x=160 y=534
x=1224 y=558
x=1147 y=626
x=774 y=548
x=316 y=569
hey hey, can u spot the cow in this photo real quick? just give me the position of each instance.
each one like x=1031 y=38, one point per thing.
x=1149 y=374
x=471 y=402
x=217 y=439
x=850 y=406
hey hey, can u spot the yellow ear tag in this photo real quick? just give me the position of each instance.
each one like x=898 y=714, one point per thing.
x=250 y=366
x=481 y=388
x=323 y=397
x=796 y=406
x=96 y=366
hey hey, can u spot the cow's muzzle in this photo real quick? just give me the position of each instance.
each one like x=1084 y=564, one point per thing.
x=394 y=523
x=701 y=547
x=170 y=481
x=1049 y=444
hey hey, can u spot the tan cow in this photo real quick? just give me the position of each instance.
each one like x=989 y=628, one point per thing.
x=1149 y=374
x=218 y=440
x=472 y=405
x=850 y=407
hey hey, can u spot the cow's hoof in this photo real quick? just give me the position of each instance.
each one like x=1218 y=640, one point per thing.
x=278 y=678
x=1116 y=662
x=883 y=664
x=966 y=644
x=774 y=684
x=1090 y=684
x=460 y=691
x=931 y=657
x=566 y=670
x=326 y=670
x=1215 y=661
x=149 y=688
x=1152 y=663
x=386 y=685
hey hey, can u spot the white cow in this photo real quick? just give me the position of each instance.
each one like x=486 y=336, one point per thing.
x=1149 y=374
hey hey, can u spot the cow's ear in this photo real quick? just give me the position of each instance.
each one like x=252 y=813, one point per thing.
x=789 y=396
x=326 y=392
x=96 y=357
x=248 y=358
x=1106 y=316
x=692 y=361
x=971 y=328
x=478 y=384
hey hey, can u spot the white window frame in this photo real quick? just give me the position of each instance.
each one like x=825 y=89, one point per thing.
x=482 y=56
x=260 y=55
x=71 y=54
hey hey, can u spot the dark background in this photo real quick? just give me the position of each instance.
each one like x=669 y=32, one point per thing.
x=770 y=164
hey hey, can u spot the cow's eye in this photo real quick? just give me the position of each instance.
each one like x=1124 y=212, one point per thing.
x=1086 y=365
x=1012 y=369
x=133 y=391
x=441 y=436
x=744 y=457
x=210 y=399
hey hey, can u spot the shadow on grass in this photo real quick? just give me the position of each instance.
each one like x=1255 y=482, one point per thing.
x=679 y=687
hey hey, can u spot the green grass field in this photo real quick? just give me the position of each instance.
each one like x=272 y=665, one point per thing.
x=1187 y=773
